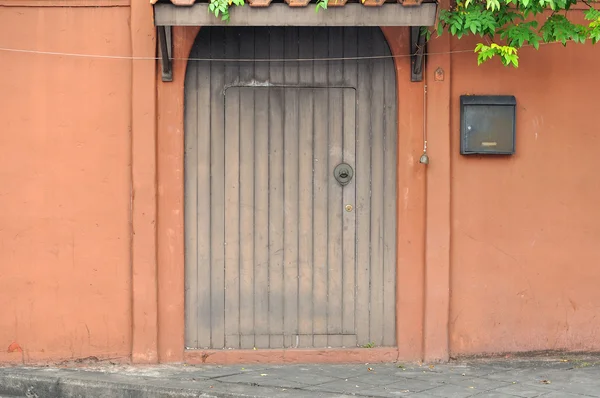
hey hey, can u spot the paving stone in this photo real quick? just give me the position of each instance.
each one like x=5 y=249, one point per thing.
x=590 y=389
x=527 y=375
x=308 y=378
x=413 y=371
x=493 y=379
x=415 y=385
x=256 y=379
x=401 y=388
x=227 y=390
x=522 y=390
x=341 y=386
x=438 y=377
x=470 y=370
x=556 y=394
x=422 y=395
x=381 y=379
x=219 y=371
x=453 y=391
x=301 y=374
x=493 y=394
x=478 y=382
x=334 y=371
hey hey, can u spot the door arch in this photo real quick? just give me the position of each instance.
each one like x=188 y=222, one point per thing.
x=279 y=254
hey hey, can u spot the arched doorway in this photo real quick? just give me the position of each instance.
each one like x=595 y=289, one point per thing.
x=279 y=253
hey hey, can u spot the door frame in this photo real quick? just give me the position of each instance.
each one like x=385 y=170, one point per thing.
x=422 y=330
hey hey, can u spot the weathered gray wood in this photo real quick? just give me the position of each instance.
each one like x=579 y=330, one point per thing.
x=305 y=196
x=321 y=173
x=299 y=263
x=389 y=206
x=335 y=210
x=261 y=213
x=190 y=211
x=217 y=200
x=203 y=212
x=334 y=190
x=349 y=221
x=377 y=104
x=232 y=196
x=282 y=15
x=350 y=75
x=276 y=190
x=232 y=206
x=247 y=208
x=290 y=194
x=363 y=191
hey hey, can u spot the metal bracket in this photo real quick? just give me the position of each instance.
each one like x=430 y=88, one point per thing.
x=417 y=53
x=165 y=45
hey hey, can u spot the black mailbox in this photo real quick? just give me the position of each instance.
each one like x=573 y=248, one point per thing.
x=487 y=124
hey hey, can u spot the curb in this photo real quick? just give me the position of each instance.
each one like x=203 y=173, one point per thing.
x=68 y=383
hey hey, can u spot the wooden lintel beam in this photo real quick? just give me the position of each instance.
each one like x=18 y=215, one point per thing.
x=279 y=14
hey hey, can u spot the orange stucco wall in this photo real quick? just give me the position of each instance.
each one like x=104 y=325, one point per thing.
x=494 y=254
x=65 y=177
x=525 y=229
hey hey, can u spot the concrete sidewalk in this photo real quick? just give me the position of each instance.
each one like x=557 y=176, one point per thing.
x=542 y=377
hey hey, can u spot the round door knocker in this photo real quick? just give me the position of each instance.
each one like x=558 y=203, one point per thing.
x=343 y=173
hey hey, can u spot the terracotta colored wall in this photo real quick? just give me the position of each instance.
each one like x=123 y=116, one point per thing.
x=87 y=156
x=65 y=285
x=525 y=229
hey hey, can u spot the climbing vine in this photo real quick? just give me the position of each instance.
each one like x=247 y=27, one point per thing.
x=221 y=7
x=504 y=25
x=508 y=25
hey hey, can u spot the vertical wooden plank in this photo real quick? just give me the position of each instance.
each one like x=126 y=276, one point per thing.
x=349 y=223
x=320 y=185
x=276 y=191
x=203 y=221
x=290 y=194
x=247 y=192
x=363 y=190
x=349 y=191
x=191 y=207
x=232 y=194
x=261 y=192
x=377 y=114
x=334 y=196
x=305 y=189
x=389 y=202
x=217 y=184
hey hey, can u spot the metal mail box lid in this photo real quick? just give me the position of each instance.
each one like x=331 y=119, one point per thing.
x=487 y=124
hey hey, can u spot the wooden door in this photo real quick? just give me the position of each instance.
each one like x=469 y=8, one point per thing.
x=279 y=253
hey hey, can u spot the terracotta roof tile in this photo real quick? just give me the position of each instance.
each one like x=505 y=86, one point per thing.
x=304 y=3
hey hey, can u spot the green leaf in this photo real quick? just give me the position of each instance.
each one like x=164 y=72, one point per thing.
x=322 y=4
x=493 y=5
x=515 y=60
x=592 y=14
